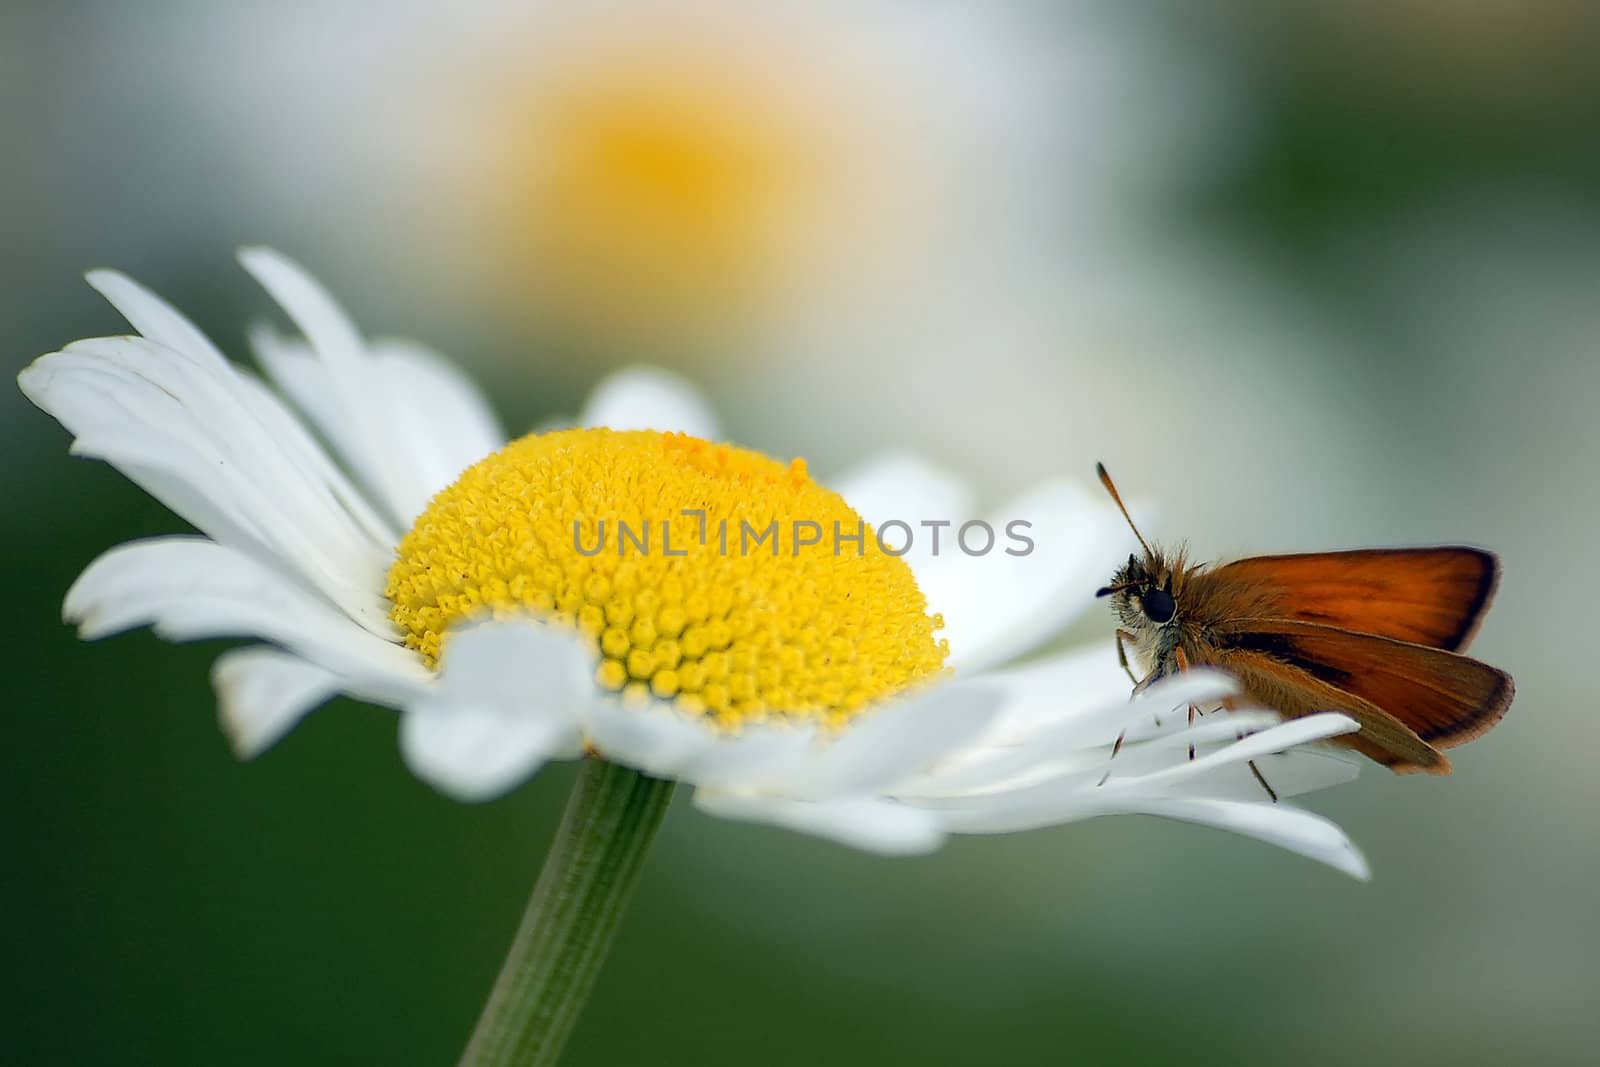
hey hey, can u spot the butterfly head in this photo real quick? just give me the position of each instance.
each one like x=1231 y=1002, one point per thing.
x=1142 y=594
x=1142 y=591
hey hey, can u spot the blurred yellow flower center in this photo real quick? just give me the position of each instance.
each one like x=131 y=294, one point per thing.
x=770 y=596
x=650 y=192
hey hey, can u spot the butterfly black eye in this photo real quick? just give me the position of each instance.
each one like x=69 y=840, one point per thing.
x=1158 y=605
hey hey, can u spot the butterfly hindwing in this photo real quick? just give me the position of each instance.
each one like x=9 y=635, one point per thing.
x=1435 y=698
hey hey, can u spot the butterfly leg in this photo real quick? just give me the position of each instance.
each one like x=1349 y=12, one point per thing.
x=1122 y=658
x=1183 y=665
x=1271 y=792
x=1122 y=655
x=1231 y=704
x=1117 y=747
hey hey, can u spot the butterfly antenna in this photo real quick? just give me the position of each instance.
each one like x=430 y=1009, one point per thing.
x=1105 y=480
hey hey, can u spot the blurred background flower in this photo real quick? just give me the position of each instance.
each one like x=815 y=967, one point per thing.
x=1310 y=275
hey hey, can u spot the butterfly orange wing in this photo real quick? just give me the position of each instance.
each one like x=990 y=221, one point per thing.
x=1425 y=596
x=1410 y=699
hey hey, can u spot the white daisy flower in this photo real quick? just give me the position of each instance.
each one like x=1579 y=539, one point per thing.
x=449 y=575
x=749 y=165
x=711 y=178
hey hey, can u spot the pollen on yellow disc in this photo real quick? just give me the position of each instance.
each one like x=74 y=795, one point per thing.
x=770 y=597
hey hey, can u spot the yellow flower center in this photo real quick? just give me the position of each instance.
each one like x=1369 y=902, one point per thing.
x=705 y=574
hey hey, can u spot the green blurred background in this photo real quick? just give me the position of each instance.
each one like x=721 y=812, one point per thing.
x=1354 y=299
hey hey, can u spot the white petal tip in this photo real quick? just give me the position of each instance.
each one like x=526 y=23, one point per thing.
x=102 y=278
x=33 y=379
x=650 y=398
x=263 y=693
x=258 y=254
x=78 y=611
x=1355 y=865
x=269 y=266
x=474 y=753
x=1341 y=724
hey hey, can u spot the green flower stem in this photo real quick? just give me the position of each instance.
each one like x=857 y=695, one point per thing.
x=611 y=818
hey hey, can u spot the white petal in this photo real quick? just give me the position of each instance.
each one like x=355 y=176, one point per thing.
x=510 y=696
x=1060 y=687
x=313 y=462
x=445 y=417
x=475 y=752
x=1039 y=744
x=212 y=445
x=154 y=317
x=163 y=324
x=1153 y=753
x=656 y=738
x=1037 y=715
x=902 y=486
x=440 y=422
x=189 y=588
x=1303 y=770
x=1278 y=739
x=998 y=606
x=1287 y=827
x=895 y=742
x=647 y=398
x=1277 y=824
x=359 y=395
x=263 y=693
x=302 y=377
x=1154 y=776
x=866 y=823
x=916 y=509
x=1059 y=776
x=668 y=743
x=759 y=753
